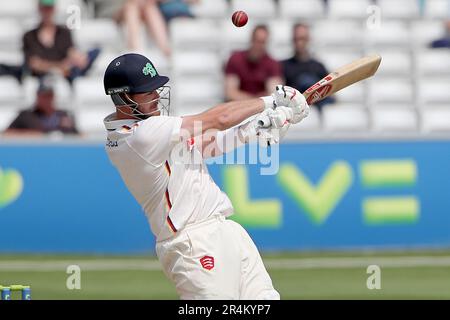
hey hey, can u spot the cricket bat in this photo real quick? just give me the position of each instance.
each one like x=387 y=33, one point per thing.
x=341 y=78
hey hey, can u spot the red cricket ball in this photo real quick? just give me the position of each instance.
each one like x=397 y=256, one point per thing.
x=239 y=18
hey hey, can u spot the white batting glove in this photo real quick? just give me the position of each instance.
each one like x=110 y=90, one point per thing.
x=275 y=118
x=291 y=98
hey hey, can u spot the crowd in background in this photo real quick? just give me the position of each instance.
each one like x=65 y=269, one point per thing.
x=49 y=49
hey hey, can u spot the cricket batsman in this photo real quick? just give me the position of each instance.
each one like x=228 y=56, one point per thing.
x=205 y=255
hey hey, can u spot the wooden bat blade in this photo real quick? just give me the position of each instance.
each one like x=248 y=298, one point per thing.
x=343 y=77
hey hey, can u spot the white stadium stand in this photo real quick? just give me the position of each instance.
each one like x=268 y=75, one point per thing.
x=436 y=119
x=11 y=33
x=354 y=94
x=437 y=9
x=434 y=91
x=399 y=9
x=12 y=57
x=333 y=59
x=10 y=92
x=90 y=91
x=187 y=92
x=91 y=119
x=391 y=90
x=235 y=38
x=338 y=33
x=353 y=9
x=18 y=9
x=100 y=32
x=411 y=86
x=68 y=11
x=211 y=9
x=389 y=34
x=342 y=118
x=258 y=10
x=194 y=34
x=311 y=124
x=102 y=62
x=7 y=115
x=196 y=63
x=425 y=31
x=433 y=62
x=395 y=63
x=392 y=118
x=302 y=9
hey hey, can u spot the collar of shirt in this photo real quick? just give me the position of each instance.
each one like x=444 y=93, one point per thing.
x=111 y=124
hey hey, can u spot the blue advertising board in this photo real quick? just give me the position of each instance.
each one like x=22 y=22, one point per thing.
x=324 y=195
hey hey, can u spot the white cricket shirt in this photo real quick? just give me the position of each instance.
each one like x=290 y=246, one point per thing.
x=172 y=191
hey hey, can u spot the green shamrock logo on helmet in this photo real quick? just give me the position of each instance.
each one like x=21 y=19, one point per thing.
x=149 y=70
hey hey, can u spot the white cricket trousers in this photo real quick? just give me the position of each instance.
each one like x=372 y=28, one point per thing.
x=215 y=259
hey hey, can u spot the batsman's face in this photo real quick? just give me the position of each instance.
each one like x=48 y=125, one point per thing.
x=148 y=102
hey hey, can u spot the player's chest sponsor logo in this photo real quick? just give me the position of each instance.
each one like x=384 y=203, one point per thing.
x=207 y=262
x=112 y=143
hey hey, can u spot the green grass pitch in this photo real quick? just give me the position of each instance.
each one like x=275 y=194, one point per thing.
x=412 y=275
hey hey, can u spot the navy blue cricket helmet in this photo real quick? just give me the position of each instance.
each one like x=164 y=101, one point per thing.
x=131 y=73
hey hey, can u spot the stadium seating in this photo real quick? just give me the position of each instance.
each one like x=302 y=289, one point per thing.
x=425 y=31
x=436 y=119
x=434 y=91
x=302 y=9
x=311 y=124
x=18 y=9
x=258 y=10
x=201 y=92
x=10 y=92
x=354 y=94
x=334 y=59
x=395 y=63
x=91 y=119
x=436 y=9
x=90 y=91
x=409 y=92
x=211 y=9
x=433 y=62
x=399 y=9
x=68 y=11
x=338 y=33
x=391 y=90
x=194 y=34
x=392 y=118
x=353 y=9
x=11 y=33
x=8 y=114
x=345 y=118
x=196 y=63
x=102 y=33
x=389 y=34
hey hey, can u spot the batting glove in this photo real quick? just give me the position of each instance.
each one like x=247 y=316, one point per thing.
x=291 y=98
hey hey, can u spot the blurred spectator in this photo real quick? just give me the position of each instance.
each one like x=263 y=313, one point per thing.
x=252 y=73
x=43 y=117
x=49 y=48
x=131 y=14
x=16 y=71
x=176 y=8
x=445 y=41
x=302 y=71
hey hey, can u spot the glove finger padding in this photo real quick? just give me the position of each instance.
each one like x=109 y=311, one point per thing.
x=267 y=137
